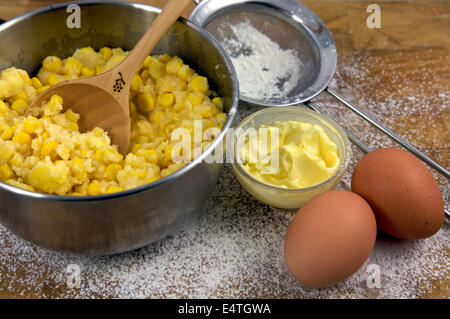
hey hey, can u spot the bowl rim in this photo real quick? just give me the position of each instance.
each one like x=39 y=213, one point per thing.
x=339 y=132
x=169 y=178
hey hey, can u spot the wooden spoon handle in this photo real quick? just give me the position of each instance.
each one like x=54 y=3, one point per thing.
x=169 y=14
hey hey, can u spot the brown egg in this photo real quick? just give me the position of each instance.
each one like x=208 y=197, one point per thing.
x=402 y=192
x=329 y=238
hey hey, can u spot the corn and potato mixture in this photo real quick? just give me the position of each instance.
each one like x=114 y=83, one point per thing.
x=47 y=153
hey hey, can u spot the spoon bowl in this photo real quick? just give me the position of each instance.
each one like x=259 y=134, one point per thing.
x=97 y=107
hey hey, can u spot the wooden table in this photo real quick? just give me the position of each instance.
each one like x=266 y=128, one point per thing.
x=410 y=53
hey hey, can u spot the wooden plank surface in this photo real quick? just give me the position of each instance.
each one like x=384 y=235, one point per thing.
x=12 y=8
x=409 y=54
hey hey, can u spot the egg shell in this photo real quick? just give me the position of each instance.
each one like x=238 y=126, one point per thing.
x=402 y=192
x=329 y=238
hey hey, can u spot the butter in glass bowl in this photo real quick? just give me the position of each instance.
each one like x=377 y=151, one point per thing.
x=298 y=155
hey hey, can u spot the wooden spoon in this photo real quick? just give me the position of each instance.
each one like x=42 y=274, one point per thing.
x=102 y=100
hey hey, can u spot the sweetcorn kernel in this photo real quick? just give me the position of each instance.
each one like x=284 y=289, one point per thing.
x=72 y=66
x=7 y=133
x=106 y=53
x=156 y=117
x=207 y=123
x=168 y=153
x=48 y=147
x=21 y=96
x=3 y=107
x=145 y=102
x=97 y=131
x=195 y=98
x=31 y=124
x=72 y=126
x=136 y=83
x=25 y=77
x=111 y=155
x=52 y=79
x=98 y=69
x=77 y=163
x=136 y=148
x=218 y=102
x=113 y=189
x=139 y=174
x=208 y=111
x=199 y=84
x=72 y=116
x=165 y=58
x=132 y=107
x=98 y=155
x=52 y=63
x=15 y=183
x=179 y=106
x=19 y=106
x=75 y=194
x=6 y=151
x=221 y=118
x=22 y=137
x=42 y=89
x=150 y=155
x=63 y=152
x=86 y=71
x=6 y=172
x=174 y=65
x=93 y=188
x=183 y=72
x=156 y=69
x=147 y=61
x=111 y=171
x=16 y=160
x=145 y=75
x=77 y=167
x=36 y=83
x=54 y=106
x=167 y=99
x=169 y=128
x=45 y=135
x=152 y=179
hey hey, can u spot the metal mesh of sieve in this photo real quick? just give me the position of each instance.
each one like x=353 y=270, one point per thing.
x=280 y=29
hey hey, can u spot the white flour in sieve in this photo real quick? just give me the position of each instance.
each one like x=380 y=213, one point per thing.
x=264 y=69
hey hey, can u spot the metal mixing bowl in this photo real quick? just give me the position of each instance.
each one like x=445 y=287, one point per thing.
x=127 y=220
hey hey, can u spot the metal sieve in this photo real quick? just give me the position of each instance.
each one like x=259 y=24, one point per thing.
x=293 y=26
x=307 y=38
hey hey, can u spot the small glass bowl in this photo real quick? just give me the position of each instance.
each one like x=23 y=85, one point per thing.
x=291 y=197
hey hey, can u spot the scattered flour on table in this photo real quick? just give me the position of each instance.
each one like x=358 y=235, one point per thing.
x=264 y=69
x=236 y=249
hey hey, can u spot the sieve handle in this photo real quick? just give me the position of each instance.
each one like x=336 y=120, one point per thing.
x=365 y=149
x=389 y=133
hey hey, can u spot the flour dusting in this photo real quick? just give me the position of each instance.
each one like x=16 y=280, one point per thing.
x=236 y=249
x=264 y=69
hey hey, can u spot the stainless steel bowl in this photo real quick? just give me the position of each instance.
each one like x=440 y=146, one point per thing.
x=123 y=221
